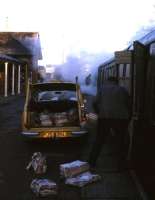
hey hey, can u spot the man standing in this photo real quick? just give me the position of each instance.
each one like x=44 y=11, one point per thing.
x=88 y=79
x=113 y=107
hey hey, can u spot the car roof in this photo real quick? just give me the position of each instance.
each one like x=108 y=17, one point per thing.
x=55 y=85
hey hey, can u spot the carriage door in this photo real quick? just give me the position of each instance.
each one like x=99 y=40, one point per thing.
x=138 y=90
x=139 y=79
x=151 y=89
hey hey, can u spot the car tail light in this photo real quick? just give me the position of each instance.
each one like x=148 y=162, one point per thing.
x=30 y=133
x=83 y=113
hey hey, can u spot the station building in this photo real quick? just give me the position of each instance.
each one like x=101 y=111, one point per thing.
x=19 y=55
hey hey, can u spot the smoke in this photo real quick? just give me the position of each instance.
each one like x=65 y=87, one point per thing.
x=84 y=64
x=80 y=66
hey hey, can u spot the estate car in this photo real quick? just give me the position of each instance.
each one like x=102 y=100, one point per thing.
x=54 y=110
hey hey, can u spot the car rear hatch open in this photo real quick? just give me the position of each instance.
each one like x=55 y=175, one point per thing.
x=53 y=105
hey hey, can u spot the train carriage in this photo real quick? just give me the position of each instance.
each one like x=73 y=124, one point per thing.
x=135 y=69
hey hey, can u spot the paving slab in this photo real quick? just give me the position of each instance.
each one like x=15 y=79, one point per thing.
x=115 y=184
x=112 y=186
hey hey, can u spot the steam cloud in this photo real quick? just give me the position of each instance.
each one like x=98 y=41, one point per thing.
x=81 y=66
x=84 y=64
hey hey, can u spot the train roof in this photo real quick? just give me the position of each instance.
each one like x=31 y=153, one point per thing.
x=146 y=40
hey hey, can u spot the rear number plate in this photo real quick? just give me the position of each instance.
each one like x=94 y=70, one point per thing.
x=55 y=134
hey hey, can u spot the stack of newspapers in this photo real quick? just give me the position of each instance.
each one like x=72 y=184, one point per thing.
x=77 y=173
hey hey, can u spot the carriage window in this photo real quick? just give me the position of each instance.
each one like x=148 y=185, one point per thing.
x=121 y=70
x=101 y=76
x=152 y=49
x=110 y=71
x=107 y=73
x=153 y=99
x=128 y=70
x=114 y=72
x=124 y=70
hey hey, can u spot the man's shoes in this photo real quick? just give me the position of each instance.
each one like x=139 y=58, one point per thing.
x=91 y=164
x=92 y=167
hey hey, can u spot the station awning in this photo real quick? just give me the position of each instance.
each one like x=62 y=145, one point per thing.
x=5 y=58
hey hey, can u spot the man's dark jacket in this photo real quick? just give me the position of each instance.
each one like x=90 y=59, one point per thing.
x=113 y=102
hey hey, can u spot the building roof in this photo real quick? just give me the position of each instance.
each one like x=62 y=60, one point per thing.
x=20 y=43
x=11 y=46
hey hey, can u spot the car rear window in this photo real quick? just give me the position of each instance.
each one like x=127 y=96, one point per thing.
x=53 y=92
x=56 y=95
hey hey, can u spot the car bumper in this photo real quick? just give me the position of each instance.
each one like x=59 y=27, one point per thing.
x=54 y=134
